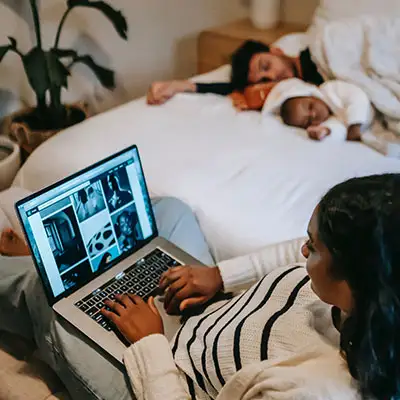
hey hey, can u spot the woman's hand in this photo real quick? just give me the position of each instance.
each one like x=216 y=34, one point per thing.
x=161 y=92
x=134 y=318
x=187 y=286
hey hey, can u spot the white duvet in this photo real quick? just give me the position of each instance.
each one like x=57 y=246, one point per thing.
x=370 y=60
x=251 y=181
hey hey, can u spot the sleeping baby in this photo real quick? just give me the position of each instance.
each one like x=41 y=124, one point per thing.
x=336 y=109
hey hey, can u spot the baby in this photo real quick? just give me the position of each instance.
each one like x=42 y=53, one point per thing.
x=337 y=109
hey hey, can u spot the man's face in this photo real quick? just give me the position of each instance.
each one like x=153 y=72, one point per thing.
x=270 y=67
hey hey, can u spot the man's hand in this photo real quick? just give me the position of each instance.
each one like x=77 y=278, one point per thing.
x=134 y=318
x=354 y=133
x=161 y=92
x=186 y=287
x=239 y=101
x=318 y=132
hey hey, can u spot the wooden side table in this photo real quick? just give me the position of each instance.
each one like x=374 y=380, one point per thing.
x=216 y=45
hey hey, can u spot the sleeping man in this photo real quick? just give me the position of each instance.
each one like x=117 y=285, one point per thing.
x=252 y=63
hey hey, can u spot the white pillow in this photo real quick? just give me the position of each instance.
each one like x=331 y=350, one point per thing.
x=292 y=44
x=330 y=10
x=221 y=74
x=8 y=216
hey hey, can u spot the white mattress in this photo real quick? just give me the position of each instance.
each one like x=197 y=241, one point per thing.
x=251 y=181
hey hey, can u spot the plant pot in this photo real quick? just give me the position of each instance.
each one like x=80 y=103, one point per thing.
x=10 y=161
x=265 y=14
x=21 y=127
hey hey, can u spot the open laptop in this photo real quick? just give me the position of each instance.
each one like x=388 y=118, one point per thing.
x=93 y=235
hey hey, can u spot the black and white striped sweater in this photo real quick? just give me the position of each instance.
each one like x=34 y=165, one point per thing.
x=277 y=320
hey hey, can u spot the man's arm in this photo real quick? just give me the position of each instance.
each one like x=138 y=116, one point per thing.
x=223 y=88
x=160 y=92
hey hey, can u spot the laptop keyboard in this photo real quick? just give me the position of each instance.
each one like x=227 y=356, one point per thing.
x=140 y=279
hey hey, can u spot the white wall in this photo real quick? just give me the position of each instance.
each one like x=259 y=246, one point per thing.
x=299 y=10
x=161 y=45
x=162 y=40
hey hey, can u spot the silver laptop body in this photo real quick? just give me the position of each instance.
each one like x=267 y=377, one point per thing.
x=93 y=235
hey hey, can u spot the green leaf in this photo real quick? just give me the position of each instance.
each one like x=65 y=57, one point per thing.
x=3 y=51
x=10 y=47
x=58 y=73
x=104 y=75
x=35 y=65
x=13 y=42
x=64 y=53
x=44 y=70
x=116 y=17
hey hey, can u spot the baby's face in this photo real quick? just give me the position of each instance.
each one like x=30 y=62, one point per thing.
x=307 y=111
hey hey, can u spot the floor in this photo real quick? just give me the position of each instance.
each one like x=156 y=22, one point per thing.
x=24 y=376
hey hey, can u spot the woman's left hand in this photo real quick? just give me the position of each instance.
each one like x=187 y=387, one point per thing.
x=133 y=317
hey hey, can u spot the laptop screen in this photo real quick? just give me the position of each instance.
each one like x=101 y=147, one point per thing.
x=85 y=224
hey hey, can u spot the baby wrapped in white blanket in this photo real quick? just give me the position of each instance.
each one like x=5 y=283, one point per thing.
x=336 y=110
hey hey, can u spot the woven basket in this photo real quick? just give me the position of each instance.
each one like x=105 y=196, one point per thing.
x=22 y=133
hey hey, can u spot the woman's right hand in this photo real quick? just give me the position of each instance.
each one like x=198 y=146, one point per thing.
x=161 y=92
x=188 y=286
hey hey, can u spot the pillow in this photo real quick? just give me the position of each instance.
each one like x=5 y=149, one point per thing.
x=221 y=74
x=330 y=10
x=292 y=44
x=8 y=198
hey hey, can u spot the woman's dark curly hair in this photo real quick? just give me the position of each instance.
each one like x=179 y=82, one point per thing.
x=359 y=223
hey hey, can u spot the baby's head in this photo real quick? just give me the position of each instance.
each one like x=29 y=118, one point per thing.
x=303 y=112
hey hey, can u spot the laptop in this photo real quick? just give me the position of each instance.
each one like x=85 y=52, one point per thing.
x=93 y=235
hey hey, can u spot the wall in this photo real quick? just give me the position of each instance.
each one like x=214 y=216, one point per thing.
x=161 y=45
x=299 y=10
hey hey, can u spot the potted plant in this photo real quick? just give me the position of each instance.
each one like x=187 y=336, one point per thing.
x=48 y=71
x=9 y=161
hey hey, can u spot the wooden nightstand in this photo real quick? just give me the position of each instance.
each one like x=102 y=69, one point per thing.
x=216 y=45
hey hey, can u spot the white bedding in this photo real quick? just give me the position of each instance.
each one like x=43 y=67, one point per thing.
x=251 y=181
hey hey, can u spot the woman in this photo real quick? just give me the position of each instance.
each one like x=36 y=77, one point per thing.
x=281 y=339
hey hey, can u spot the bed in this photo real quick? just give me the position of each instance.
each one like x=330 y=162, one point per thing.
x=250 y=180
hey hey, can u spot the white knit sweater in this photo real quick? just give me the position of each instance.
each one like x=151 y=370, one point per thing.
x=275 y=340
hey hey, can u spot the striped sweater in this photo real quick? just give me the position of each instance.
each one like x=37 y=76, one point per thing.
x=275 y=340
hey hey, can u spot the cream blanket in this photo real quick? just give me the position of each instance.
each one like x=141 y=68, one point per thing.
x=364 y=51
